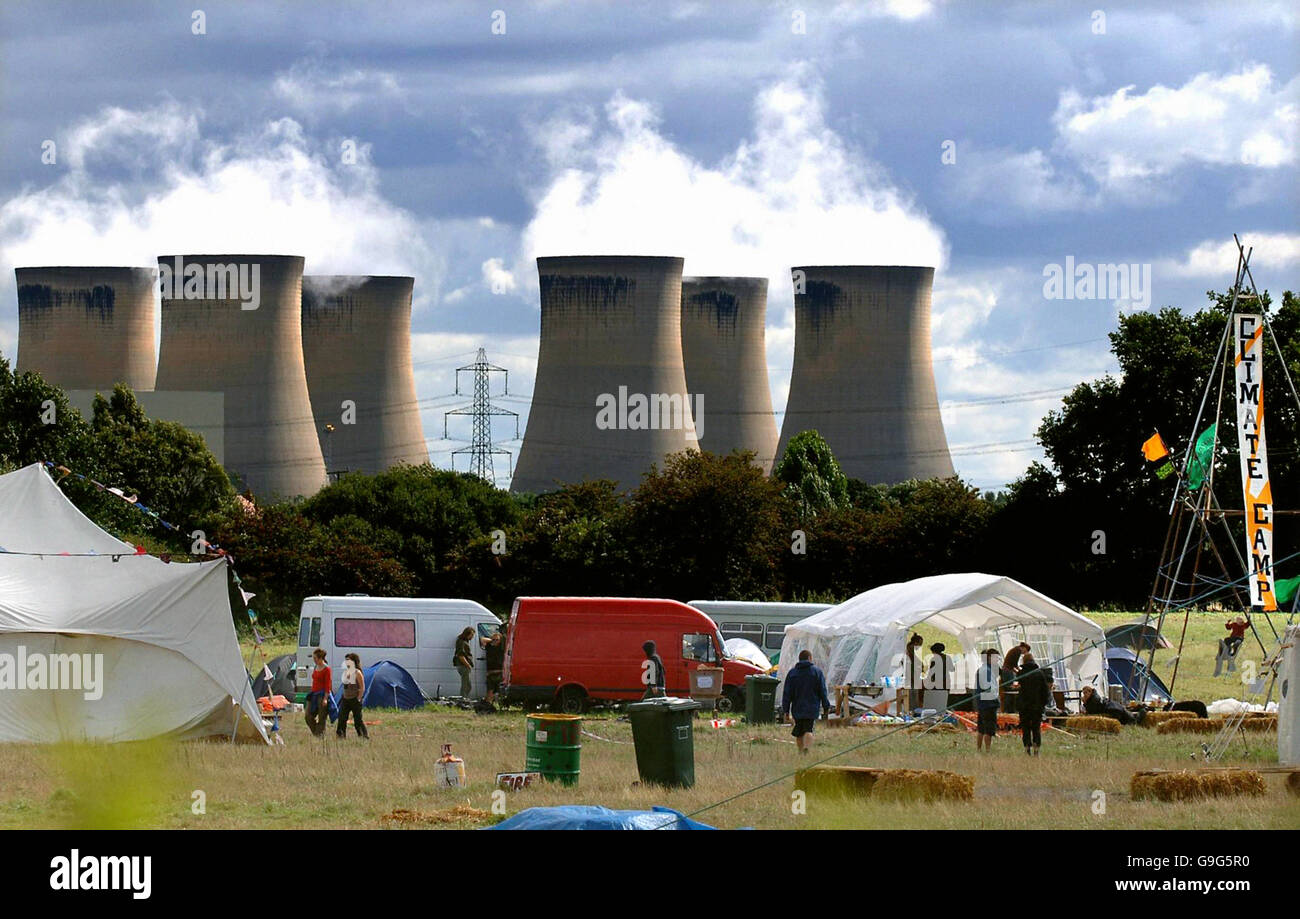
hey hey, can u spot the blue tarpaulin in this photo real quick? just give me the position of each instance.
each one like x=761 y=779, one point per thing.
x=388 y=685
x=586 y=817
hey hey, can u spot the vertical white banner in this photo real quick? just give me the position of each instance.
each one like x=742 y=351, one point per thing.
x=1257 y=491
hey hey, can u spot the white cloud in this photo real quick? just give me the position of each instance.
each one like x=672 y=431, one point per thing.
x=1216 y=259
x=794 y=193
x=271 y=190
x=906 y=10
x=497 y=278
x=1238 y=119
x=314 y=87
x=1006 y=183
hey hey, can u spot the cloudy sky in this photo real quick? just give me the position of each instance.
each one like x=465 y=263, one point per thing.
x=991 y=140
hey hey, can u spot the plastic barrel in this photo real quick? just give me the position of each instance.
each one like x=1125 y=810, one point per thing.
x=554 y=747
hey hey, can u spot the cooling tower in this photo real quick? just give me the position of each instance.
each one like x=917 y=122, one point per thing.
x=724 y=353
x=862 y=373
x=610 y=396
x=87 y=328
x=237 y=328
x=356 y=345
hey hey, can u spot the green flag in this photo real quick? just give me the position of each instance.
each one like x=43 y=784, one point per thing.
x=1198 y=464
x=1165 y=471
x=1284 y=589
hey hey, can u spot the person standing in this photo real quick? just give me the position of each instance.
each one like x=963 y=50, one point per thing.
x=652 y=672
x=1030 y=702
x=494 y=649
x=1010 y=668
x=354 y=690
x=987 y=681
x=463 y=660
x=913 y=674
x=318 y=703
x=803 y=697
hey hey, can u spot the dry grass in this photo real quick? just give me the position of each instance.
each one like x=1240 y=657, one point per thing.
x=1191 y=726
x=461 y=815
x=1192 y=786
x=324 y=783
x=1094 y=724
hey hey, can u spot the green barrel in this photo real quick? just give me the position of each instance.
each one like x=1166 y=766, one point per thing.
x=665 y=744
x=554 y=747
x=760 y=699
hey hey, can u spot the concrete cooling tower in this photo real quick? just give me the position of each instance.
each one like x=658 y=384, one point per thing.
x=87 y=328
x=610 y=396
x=356 y=346
x=233 y=323
x=724 y=352
x=862 y=372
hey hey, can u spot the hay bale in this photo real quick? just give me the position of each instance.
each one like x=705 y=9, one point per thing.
x=1096 y=724
x=1155 y=719
x=1260 y=723
x=1191 y=726
x=1293 y=783
x=1190 y=786
x=923 y=785
x=837 y=780
x=887 y=784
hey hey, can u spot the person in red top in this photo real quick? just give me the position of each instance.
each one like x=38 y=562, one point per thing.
x=318 y=706
x=1237 y=633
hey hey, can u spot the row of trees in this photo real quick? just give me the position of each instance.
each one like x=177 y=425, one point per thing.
x=1087 y=528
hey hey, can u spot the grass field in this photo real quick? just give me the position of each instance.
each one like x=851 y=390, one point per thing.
x=744 y=775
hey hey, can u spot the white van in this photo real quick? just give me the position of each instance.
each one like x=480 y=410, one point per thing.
x=762 y=623
x=417 y=634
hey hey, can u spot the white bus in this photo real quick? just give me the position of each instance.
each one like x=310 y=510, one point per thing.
x=417 y=634
x=762 y=623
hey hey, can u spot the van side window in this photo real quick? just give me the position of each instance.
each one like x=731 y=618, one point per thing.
x=374 y=633
x=315 y=632
x=751 y=630
x=488 y=629
x=775 y=636
x=698 y=646
x=304 y=631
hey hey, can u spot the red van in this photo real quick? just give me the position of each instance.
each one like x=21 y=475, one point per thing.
x=568 y=652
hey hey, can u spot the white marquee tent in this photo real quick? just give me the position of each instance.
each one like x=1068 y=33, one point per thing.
x=862 y=640
x=100 y=644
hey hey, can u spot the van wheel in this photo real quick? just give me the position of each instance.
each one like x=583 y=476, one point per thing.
x=571 y=701
x=731 y=700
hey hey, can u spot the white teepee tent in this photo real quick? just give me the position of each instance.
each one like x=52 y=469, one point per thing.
x=100 y=644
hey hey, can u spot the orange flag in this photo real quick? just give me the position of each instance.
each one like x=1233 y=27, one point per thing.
x=1154 y=448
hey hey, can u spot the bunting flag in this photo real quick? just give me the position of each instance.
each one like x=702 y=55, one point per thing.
x=246 y=595
x=1154 y=448
x=1165 y=471
x=1285 y=589
x=1256 y=488
x=1201 y=458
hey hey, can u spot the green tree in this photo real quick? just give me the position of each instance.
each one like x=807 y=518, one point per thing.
x=709 y=526
x=811 y=475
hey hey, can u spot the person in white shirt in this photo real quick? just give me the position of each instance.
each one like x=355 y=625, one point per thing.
x=987 y=679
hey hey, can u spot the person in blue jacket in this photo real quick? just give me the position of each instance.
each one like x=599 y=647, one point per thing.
x=804 y=697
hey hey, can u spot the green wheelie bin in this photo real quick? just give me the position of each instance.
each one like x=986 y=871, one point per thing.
x=665 y=745
x=760 y=699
